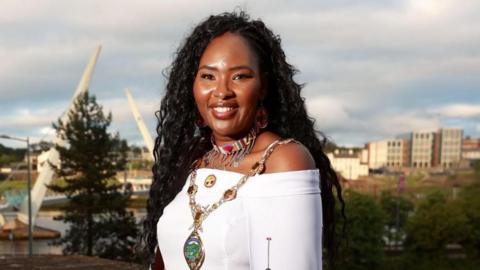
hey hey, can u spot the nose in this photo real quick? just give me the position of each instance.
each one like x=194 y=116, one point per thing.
x=222 y=89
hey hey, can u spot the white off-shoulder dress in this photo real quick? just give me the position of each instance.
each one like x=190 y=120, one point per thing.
x=285 y=206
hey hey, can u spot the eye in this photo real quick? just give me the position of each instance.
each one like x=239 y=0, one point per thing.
x=207 y=76
x=241 y=76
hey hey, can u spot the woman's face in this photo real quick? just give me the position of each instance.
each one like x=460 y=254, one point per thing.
x=228 y=86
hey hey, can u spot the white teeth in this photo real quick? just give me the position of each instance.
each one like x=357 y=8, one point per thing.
x=222 y=109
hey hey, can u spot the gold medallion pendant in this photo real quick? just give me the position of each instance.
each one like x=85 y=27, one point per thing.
x=210 y=181
x=193 y=251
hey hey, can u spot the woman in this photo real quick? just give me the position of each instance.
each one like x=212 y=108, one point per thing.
x=229 y=191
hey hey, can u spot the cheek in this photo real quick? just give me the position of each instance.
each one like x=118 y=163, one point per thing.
x=249 y=96
x=201 y=94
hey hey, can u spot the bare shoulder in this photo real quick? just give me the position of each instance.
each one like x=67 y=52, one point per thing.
x=292 y=156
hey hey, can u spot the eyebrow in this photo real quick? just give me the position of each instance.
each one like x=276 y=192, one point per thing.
x=232 y=68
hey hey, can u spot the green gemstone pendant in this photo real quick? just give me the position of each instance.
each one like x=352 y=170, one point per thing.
x=193 y=251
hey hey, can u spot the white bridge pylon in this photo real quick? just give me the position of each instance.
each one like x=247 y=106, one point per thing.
x=46 y=175
x=147 y=137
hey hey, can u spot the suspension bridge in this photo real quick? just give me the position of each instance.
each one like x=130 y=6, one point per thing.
x=17 y=201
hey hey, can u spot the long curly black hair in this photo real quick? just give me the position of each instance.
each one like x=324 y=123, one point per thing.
x=180 y=141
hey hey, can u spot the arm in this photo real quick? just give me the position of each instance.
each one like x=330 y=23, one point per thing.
x=291 y=215
x=294 y=224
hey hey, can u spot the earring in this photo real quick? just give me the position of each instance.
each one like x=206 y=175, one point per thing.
x=200 y=122
x=262 y=117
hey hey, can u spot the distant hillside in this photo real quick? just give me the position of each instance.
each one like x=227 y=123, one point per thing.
x=9 y=155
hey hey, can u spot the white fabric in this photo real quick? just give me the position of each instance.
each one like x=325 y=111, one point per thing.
x=285 y=206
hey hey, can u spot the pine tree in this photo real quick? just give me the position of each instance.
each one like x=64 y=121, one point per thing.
x=99 y=222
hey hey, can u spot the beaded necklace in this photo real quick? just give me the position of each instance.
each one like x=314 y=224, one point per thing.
x=230 y=154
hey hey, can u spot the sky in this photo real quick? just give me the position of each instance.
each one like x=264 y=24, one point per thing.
x=372 y=69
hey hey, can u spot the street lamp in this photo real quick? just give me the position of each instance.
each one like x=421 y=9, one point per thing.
x=29 y=187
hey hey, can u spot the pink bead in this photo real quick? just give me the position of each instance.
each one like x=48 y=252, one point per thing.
x=228 y=148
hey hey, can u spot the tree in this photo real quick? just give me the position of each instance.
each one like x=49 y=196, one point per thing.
x=470 y=202
x=99 y=222
x=436 y=222
x=476 y=168
x=396 y=208
x=362 y=247
x=10 y=155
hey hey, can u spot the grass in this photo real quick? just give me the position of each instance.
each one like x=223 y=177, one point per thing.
x=12 y=185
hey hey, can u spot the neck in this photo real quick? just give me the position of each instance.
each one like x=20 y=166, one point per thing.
x=221 y=139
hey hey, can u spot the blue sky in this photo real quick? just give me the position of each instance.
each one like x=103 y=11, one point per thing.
x=373 y=69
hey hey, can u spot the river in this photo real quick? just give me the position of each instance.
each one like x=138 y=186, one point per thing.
x=45 y=219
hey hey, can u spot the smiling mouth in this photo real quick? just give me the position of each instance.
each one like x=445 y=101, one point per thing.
x=223 y=112
x=223 y=109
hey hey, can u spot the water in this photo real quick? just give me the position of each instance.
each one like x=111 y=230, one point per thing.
x=45 y=220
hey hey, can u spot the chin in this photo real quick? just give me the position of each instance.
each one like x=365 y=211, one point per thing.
x=226 y=130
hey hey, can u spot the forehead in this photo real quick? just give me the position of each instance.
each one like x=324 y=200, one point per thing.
x=229 y=49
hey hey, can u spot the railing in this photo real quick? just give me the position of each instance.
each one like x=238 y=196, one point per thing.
x=15 y=198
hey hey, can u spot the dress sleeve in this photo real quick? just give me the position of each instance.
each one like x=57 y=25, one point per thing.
x=291 y=216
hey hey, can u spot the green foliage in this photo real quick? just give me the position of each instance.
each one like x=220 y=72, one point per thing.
x=363 y=246
x=470 y=201
x=10 y=155
x=13 y=185
x=414 y=179
x=396 y=208
x=41 y=146
x=330 y=146
x=140 y=165
x=436 y=222
x=416 y=262
x=100 y=224
x=476 y=168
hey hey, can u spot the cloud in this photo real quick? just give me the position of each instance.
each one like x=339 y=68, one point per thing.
x=122 y=113
x=372 y=68
x=459 y=111
x=344 y=122
x=26 y=118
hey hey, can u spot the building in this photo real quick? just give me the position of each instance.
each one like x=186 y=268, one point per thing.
x=439 y=148
x=471 y=149
x=419 y=149
x=347 y=163
x=392 y=153
x=395 y=153
x=450 y=146
x=377 y=154
x=364 y=155
x=422 y=149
